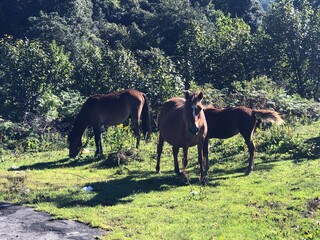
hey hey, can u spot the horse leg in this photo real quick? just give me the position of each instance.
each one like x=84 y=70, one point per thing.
x=206 y=155
x=136 y=126
x=97 y=139
x=202 y=164
x=251 y=148
x=175 y=151
x=185 y=160
x=159 y=151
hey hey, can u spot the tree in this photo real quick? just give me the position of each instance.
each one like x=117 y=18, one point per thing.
x=28 y=70
x=161 y=78
x=170 y=19
x=249 y=10
x=288 y=38
x=124 y=70
x=217 y=54
x=314 y=57
x=193 y=59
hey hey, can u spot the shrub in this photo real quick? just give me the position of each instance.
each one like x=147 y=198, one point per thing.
x=285 y=140
x=262 y=93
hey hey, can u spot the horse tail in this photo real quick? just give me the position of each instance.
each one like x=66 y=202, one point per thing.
x=146 y=119
x=268 y=116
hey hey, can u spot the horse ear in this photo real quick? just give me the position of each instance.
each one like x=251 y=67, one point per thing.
x=200 y=96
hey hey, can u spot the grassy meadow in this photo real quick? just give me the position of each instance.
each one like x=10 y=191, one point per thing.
x=279 y=200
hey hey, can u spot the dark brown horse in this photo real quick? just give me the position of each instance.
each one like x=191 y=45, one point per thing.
x=182 y=124
x=227 y=122
x=110 y=109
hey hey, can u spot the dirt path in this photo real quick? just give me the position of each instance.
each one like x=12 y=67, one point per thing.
x=24 y=223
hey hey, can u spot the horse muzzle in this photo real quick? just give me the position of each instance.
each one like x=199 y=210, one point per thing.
x=194 y=130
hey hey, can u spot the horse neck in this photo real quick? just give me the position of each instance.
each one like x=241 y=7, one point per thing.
x=79 y=127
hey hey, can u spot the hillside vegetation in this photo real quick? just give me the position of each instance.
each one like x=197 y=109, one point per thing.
x=54 y=54
x=259 y=54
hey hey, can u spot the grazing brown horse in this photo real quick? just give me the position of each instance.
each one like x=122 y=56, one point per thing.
x=110 y=109
x=182 y=124
x=227 y=122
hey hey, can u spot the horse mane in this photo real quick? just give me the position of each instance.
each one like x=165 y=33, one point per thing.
x=81 y=121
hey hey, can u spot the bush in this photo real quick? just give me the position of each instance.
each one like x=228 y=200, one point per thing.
x=284 y=140
x=32 y=135
x=262 y=93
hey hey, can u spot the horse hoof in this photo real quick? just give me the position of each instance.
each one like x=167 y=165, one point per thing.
x=184 y=180
x=248 y=172
x=204 y=181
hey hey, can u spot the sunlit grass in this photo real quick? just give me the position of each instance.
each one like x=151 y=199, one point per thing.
x=279 y=200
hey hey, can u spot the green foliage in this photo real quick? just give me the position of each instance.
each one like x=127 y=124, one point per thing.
x=124 y=70
x=207 y=42
x=284 y=140
x=216 y=53
x=72 y=49
x=290 y=32
x=161 y=79
x=71 y=102
x=262 y=93
x=119 y=137
x=249 y=10
x=32 y=135
x=28 y=71
x=48 y=106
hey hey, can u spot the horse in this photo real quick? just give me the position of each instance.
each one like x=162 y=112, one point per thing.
x=227 y=122
x=110 y=109
x=182 y=124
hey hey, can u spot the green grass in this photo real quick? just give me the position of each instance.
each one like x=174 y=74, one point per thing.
x=279 y=200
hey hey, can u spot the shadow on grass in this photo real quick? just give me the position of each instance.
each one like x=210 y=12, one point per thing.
x=118 y=191
x=217 y=173
x=62 y=163
x=315 y=140
x=102 y=161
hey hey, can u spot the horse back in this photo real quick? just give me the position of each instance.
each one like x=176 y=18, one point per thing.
x=113 y=108
x=227 y=122
x=171 y=107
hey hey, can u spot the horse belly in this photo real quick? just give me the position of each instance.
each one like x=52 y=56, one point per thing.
x=114 y=117
x=175 y=135
x=113 y=122
x=222 y=130
x=224 y=133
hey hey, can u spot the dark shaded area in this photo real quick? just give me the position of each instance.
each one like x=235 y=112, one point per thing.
x=62 y=163
x=114 y=159
x=118 y=191
x=223 y=174
x=315 y=140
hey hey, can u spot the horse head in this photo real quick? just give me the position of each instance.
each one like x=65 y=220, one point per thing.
x=75 y=144
x=193 y=112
